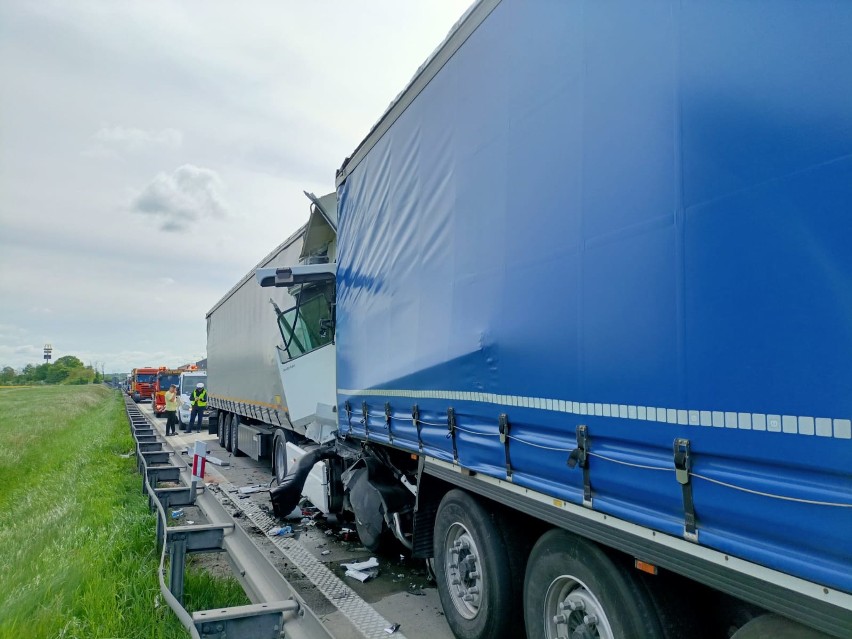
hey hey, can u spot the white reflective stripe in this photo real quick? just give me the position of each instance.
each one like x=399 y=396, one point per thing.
x=762 y=422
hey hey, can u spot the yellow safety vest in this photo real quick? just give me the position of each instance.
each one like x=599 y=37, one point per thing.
x=199 y=399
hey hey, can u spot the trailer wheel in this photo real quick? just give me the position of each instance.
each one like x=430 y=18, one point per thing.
x=235 y=436
x=573 y=589
x=221 y=428
x=228 y=423
x=472 y=569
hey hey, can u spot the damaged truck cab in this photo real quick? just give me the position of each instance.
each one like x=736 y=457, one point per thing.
x=336 y=474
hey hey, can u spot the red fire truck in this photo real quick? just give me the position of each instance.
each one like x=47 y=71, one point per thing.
x=164 y=378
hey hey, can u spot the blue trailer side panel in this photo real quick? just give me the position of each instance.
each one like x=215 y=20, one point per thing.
x=635 y=217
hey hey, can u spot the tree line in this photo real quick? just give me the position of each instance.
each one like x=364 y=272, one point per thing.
x=65 y=370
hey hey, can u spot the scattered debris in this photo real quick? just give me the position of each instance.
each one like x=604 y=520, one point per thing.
x=372 y=562
x=325 y=552
x=248 y=490
x=217 y=461
x=189 y=522
x=310 y=511
x=392 y=628
x=280 y=531
x=362 y=570
x=177 y=514
x=362 y=575
x=296 y=514
x=126 y=455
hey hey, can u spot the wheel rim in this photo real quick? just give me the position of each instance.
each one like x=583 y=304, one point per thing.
x=571 y=611
x=463 y=570
x=280 y=460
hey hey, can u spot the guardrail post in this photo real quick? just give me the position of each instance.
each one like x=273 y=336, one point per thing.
x=160 y=532
x=177 y=564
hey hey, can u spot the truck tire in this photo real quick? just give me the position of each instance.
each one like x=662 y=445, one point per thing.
x=573 y=588
x=235 y=436
x=221 y=428
x=472 y=569
x=228 y=423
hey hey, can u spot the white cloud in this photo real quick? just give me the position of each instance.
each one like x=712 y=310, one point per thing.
x=18 y=355
x=190 y=194
x=41 y=310
x=113 y=142
x=136 y=139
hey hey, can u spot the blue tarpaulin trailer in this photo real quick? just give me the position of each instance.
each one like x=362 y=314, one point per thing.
x=595 y=265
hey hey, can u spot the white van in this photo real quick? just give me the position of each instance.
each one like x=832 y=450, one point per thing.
x=188 y=381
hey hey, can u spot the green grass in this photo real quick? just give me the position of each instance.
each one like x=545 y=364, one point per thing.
x=77 y=549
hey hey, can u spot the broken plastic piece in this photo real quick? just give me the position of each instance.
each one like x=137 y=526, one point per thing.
x=362 y=575
x=372 y=562
x=248 y=490
x=392 y=628
x=279 y=531
x=296 y=514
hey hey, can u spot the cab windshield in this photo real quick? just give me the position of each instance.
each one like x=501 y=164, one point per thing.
x=168 y=380
x=310 y=324
x=187 y=384
x=146 y=378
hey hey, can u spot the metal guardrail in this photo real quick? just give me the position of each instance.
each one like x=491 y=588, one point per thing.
x=277 y=611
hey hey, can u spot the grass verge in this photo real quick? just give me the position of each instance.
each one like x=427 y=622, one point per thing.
x=77 y=548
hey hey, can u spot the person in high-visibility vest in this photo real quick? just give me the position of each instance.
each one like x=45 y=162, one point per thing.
x=199 y=403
